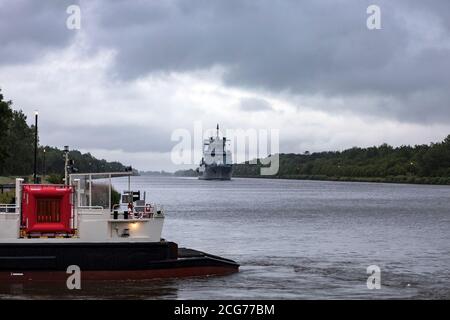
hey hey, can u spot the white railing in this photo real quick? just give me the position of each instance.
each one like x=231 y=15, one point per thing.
x=147 y=211
x=8 y=208
x=90 y=210
x=90 y=207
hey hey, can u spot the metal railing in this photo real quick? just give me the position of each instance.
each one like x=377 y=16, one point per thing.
x=91 y=207
x=84 y=210
x=142 y=212
x=8 y=208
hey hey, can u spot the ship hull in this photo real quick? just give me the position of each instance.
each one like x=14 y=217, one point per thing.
x=107 y=261
x=216 y=173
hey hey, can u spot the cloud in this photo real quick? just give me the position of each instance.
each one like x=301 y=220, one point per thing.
x=302 y=48
x=29 y=29
x=254 y=105
x=313 y=48
x=137 y=71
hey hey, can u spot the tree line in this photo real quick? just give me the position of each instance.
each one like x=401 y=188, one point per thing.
x=17 y=150
x=384 y=163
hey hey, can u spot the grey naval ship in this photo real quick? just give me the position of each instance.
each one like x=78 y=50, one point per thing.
x=216 y=163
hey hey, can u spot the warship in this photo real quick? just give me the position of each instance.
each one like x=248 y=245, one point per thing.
x=216 y=163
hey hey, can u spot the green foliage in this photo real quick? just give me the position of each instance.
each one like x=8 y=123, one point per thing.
x=5 y=118
x=17 y=150
x=7 y=197
x=6 y=180
x=405 y=164
x=54 y=162
x=55 y=178
x=16 y=141
x=115 y=197
x=100 y=193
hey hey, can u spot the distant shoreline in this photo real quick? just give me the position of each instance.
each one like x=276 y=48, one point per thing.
x=390 y=179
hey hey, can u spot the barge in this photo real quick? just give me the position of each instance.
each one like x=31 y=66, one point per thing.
x=53 y=227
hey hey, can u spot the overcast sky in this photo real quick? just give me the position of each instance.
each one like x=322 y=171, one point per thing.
x=137 y=70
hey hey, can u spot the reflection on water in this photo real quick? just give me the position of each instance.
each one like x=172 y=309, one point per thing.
x=148 y=289
x=293 y=239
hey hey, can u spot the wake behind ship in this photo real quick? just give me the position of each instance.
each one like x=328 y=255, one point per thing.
x=216 y=163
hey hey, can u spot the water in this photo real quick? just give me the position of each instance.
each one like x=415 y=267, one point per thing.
x=294 y=240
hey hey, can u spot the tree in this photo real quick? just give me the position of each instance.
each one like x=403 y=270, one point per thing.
x=17 y=148
x=20 y=146
x=5 y=120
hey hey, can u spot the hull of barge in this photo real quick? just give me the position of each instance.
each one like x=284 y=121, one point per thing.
x=107 y=261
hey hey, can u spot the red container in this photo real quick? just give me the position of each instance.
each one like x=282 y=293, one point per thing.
x=47 y=208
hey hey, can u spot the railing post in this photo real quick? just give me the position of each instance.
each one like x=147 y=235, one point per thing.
x=76 y=203
x=90 y=190
x=19 y=182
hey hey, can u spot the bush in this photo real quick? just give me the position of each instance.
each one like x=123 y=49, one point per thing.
x=55 y=179
x=115 y=197
x=7 y=197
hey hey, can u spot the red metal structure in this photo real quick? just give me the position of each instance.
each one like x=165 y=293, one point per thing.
x=47 y=208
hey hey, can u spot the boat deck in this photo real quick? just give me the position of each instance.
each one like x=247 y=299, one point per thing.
x=191 y=253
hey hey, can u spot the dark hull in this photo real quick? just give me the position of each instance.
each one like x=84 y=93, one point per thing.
x=107 y=261
x=216 y=173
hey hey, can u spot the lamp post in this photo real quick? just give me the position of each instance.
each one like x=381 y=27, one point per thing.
x=36 y=113
x=66 y=163
x=43 y=166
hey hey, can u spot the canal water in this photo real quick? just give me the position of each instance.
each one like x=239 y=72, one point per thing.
x=293 y=239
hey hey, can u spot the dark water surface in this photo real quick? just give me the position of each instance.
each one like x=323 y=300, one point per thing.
x=294 y=240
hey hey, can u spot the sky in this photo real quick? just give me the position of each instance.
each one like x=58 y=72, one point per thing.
x=136 y=71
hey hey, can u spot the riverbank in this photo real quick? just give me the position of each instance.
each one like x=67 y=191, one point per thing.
x=4 y=180
x=388 y=179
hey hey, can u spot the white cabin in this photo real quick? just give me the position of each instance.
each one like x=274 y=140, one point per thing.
x=42 y=214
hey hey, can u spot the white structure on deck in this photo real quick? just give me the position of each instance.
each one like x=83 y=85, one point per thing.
x=93 y=218
x=215 y=151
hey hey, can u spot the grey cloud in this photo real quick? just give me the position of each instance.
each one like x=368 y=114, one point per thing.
x=302 y=48
x=298 y=48
x=254 y=104
x=29 y=29
x=128 y=138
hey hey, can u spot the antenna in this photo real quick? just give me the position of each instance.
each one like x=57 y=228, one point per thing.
x=217 y=130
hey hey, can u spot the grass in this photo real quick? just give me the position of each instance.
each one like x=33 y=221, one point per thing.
x=6 y=180
x=7 y=197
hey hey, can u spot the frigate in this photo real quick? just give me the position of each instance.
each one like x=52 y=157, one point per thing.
x=216 y=163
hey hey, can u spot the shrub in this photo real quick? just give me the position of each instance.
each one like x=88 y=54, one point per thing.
x=7 y=197
x=55 y=179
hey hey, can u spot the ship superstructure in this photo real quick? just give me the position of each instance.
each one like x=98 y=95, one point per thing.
x=216 y=163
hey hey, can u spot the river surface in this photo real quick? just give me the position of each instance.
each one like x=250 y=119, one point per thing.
x=293 y=240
